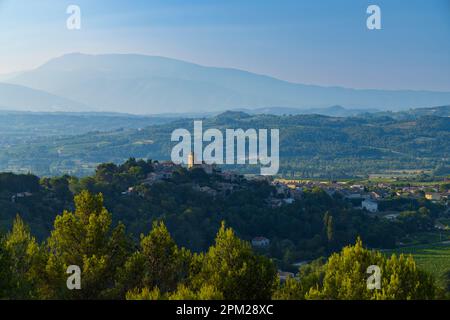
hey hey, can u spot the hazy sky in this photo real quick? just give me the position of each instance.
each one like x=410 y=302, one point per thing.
x=323 y=42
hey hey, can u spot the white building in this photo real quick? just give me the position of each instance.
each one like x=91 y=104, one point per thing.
x=433 y=196
x=289 y=200
x=391 y=216
x=283 y=275
x=260 y=242
x=369 y=205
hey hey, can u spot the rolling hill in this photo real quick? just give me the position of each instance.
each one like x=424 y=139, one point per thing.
x=310 y=145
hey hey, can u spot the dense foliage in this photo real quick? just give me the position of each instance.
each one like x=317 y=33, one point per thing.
x=113 y=268
x=344 y=277
x=315 y=225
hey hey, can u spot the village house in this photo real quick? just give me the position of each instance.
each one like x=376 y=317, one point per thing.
x=20 y=195
x=289 y=200
x=357 y=188
x=391 y=216
x=440 y=226
x=205 y=189
x=376 y=195
x=162 y=171
x=351 y=195
x=284 y=275
x=154 y=177
x=128 y=191
x=433 y=196
x=369 y=205
x=281 y=189
x=260 y=242
x=297 y=193
x=300 y=263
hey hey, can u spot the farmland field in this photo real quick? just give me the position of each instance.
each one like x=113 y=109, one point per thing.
x=434 y=258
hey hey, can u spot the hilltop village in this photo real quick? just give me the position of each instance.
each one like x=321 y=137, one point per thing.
x=383 y=199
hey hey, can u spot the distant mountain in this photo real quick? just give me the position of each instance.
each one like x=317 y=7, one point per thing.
x=15 y=97
x=333 y=111
x=148 y=85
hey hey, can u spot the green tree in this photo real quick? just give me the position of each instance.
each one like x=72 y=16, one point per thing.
x=6 y=274
x=84 y=238
x=25 y=257
x=231 y=269
x=297 y=288
x=158 y=263
x=206 y=292
x=145 y=294
x=345 y=277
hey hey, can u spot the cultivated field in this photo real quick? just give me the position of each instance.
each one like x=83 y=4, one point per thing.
x=434 y=258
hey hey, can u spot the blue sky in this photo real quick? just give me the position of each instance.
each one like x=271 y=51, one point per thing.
x=323 y=42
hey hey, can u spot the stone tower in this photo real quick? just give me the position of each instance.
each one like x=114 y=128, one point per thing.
x=191 y=160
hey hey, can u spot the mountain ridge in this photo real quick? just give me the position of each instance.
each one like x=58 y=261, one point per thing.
x=22 y=98
x=143 y=84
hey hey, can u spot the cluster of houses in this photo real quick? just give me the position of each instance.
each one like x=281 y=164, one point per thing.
x=290 y=190
x=162 y=171
x=220 y=188
x=431 y=193
x=19 y=195
x=165 y=170
x=260 y=242
x=285 y=193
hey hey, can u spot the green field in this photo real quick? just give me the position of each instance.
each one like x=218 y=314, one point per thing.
x=434 y=258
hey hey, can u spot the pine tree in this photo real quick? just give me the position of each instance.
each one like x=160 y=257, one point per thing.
x=6 y=274
x=158 y=263
x=25 y=255
x=345 y=277
x=233 y=270
x=84 y=238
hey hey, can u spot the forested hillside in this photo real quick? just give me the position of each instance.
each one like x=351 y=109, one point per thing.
x=193 y=204
x=112 y=266
x=310 y=145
